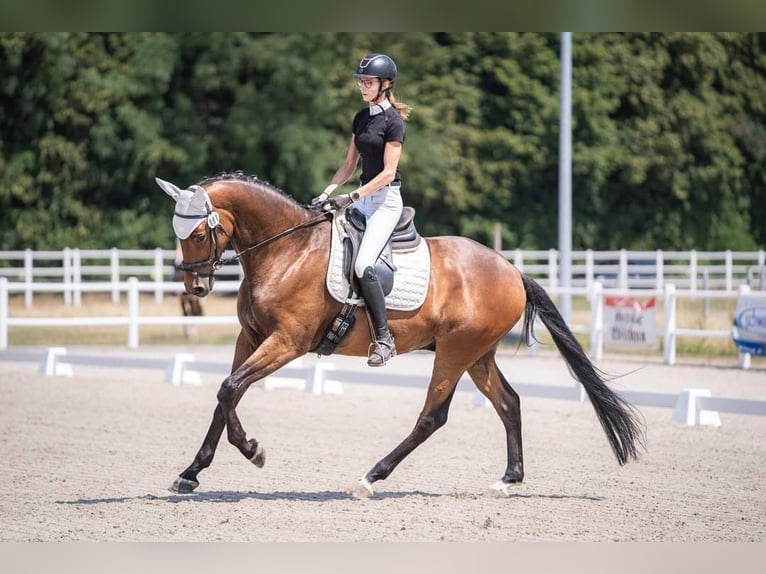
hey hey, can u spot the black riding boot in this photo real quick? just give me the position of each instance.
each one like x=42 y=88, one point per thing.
x=383 y=344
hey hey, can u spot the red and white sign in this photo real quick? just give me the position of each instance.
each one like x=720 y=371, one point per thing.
x=630 y=324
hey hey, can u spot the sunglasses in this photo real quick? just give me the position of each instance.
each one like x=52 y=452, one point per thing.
x=365 y=82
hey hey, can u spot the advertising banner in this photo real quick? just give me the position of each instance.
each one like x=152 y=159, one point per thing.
x=630 y=324
x=749 y=329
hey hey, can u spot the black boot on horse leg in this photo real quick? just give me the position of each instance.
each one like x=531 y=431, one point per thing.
x=382 y=348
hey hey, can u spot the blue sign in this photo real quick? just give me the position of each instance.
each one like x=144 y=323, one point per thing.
x=749 y=330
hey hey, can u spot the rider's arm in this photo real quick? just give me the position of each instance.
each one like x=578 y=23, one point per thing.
x=346 y=170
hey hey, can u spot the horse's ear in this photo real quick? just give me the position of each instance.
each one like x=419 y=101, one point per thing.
x=199 y=199
x=169 y=188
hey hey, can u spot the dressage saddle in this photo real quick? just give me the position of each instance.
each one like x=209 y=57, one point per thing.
x=404 y=238
x=353 y=223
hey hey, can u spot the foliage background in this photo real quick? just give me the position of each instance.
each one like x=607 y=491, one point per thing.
x=668 y=131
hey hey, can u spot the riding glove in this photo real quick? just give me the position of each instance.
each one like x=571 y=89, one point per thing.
x=319 y=199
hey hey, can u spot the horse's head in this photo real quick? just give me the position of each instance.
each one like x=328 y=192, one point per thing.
x=202 y=233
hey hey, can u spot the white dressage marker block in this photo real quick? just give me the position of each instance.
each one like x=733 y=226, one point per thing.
x=273 y=382
x=180 y=371
x=687 y=412
x=52 y=365
x=320 y=384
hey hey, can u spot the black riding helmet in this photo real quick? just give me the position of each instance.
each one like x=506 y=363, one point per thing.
x=377 y=66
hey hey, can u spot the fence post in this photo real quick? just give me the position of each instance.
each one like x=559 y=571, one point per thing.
x=693 y=270
x=669 y=342
x=660 y=274
x=622 y=275
x=133 y=313
x=29 y=277
x=158 y=278
x=597 y=321
x=76 y=278
x=67 y=263
x=114 y=265
x=729 y=270
x=3 y=313
x=553 y=274
x=589 y=268
x=518 y=259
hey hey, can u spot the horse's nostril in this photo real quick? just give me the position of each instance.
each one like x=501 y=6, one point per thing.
x=198 y=290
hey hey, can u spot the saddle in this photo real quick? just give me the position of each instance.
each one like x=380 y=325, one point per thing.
x=405 y=238
x=350 y=226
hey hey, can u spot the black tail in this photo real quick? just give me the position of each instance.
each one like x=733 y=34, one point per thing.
x=618 y=418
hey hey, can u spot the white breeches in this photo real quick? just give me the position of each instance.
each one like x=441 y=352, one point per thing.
x=382 y=210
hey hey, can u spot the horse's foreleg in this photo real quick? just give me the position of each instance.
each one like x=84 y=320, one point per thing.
x=187 y=480
x=492 y=384
x=433 y=416
x=275 y=352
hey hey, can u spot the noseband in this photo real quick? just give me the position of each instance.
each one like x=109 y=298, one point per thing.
x=214 y=259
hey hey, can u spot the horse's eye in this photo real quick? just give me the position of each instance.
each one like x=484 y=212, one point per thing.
x=199 y=238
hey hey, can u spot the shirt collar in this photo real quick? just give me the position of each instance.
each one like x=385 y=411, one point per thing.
x=376 y=109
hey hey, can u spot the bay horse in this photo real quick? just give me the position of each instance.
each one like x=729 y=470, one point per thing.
x=475 y=296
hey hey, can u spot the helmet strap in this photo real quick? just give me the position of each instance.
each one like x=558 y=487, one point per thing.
x=382 y=90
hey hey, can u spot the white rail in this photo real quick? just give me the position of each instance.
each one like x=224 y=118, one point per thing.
x=692 y=270
x=134 y=321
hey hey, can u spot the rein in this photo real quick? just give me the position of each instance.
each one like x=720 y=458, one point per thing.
x=215 y=261
x=309 y=223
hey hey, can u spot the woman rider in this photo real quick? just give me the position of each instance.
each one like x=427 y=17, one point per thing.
x=377 y=137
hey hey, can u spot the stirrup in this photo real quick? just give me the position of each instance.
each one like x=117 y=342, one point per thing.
x=381 y=352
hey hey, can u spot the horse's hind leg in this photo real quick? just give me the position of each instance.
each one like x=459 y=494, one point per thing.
x=433 y=416
x=491 y=382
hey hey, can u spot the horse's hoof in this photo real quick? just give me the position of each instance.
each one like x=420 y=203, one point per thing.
x=500 y=489
x=183 y=486
x=362 y=489
x=259 y=458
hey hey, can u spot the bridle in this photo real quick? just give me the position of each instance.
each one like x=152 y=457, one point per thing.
x=215 y=260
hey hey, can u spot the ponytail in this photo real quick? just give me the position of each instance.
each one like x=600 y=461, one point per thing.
x=403 y=109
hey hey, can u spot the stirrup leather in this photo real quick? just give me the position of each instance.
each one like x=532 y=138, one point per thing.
x=381 y=352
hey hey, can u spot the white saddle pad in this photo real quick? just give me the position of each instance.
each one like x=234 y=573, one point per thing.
x=413 y=269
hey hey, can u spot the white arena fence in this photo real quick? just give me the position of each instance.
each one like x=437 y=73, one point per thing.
x=133 y=321
x=690 y=407
x=669 y=276
x=622 y=269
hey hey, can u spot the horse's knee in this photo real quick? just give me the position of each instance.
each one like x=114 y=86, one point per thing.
x=227 y=391
x=431 y=422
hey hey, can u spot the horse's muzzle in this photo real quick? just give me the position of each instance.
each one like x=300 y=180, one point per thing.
x=200 y=286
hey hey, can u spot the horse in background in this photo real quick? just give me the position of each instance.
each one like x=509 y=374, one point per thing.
x=191 y=306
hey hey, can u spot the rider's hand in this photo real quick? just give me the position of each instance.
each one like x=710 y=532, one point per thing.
x=319 y=199
x=337 y=203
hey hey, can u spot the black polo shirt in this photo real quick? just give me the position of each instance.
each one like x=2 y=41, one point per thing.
x=371 y=132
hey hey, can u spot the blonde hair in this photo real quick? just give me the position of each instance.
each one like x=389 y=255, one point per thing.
x=403 y=109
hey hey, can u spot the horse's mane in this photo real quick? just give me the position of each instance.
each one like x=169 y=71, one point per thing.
x=251 y=179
